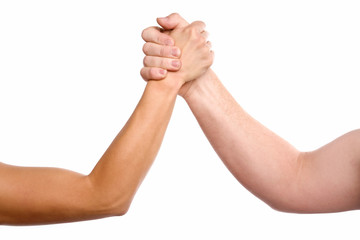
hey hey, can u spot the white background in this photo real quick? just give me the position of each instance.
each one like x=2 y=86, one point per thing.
x=69 y=80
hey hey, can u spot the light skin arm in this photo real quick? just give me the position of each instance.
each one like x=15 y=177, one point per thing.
x=324 y=180
x=50 y=195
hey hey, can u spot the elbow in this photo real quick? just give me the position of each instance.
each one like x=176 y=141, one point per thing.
x=288 y=207
x=291 y=199
x=109 y=202
x=294 y=202
x=120 y=209
x=114 y=205
x=290 y=196
x=299 y=208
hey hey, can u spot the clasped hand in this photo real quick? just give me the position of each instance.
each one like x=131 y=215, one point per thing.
x=178 y=51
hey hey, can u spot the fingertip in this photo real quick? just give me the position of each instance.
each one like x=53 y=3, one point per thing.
x=157 y=73
x=153 y=73
x=162 y=72
x=176 y=64
x=176 y=52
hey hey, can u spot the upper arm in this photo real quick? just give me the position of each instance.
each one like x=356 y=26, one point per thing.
x=329 y=178
x=42 y=195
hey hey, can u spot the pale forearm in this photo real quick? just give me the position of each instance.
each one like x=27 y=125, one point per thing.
x=325 y=180
x=246 y=147
x=266 y=164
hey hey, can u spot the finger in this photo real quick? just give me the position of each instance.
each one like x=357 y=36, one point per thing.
x=205 y=34
x=153 y=49
x=153 y=34
x=208 y=44
x=172 y=21
x=211 y=58
x=164 y=63
x=153 y=73
x=199 y=26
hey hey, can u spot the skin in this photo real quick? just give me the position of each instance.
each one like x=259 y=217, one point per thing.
x=320 y=181
x=50 y=195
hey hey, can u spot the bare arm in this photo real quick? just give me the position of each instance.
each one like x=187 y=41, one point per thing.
x=49 y=195
x=325 y=180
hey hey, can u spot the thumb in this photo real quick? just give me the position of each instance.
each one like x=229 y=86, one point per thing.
x=172 y=21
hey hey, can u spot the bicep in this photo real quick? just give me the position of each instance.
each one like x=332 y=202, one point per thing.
x=40 y=195
x=329 y=178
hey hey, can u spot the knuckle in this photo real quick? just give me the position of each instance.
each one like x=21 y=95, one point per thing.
x=144 y=33
x=193 y=35
x=193 y=31
x=143 y=73
x=186 y=31
x=162 y=39
x=146 y=61
x=146 y=48
x=175 y=15
x=203 y=25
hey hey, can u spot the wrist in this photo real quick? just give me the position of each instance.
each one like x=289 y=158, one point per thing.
x=171 y=84
x=199 y=86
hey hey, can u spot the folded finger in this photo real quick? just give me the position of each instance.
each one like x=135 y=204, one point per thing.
x=153 y=73
x=164 y=63
x=172 y=21
x=154 y=35
x=153 y=49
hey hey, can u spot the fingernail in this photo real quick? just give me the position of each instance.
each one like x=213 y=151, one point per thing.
x=163 y=18
x=175 y=52
x=162 y=72
x=175 y=63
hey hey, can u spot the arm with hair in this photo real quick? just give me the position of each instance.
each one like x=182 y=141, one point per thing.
x=324 y=180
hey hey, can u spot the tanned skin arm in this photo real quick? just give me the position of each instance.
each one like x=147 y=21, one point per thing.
x=50 y=195
x=324 y=180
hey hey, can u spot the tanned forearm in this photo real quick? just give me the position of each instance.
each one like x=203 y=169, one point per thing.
x=49 y=195
x=326 y=180
x=134 y=149
x=44 y=195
